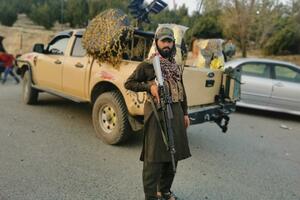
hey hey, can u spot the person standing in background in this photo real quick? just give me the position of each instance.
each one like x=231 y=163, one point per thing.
x=7 y=61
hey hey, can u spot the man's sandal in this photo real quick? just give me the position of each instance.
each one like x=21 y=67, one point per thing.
x=169 y=196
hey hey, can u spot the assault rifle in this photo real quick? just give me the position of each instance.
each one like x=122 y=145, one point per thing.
x=165 y=102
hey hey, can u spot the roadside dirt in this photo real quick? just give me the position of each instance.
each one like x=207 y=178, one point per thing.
x=24 y=34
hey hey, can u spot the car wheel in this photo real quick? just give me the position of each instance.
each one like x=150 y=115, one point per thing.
x=30 y=95
x=110 y=118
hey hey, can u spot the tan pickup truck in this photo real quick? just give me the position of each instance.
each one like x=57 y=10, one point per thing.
x=63 y=68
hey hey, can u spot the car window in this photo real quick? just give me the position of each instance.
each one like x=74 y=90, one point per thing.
x=59 y=46
x=256 y=69
x=285 y=73
x=78 y=50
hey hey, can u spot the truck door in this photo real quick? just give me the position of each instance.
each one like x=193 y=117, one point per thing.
x=49 y=66
x=75 y=70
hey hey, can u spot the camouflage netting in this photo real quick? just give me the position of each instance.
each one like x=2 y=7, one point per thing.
x=105 y=37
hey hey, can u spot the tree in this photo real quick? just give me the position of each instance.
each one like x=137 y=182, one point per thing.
x=41 y=15
x=45 y=12
x=97 y=6
x=23 y=6
x=277 y=27
x=178 y=16
x=237 y=20
x=267 y=15
x=77 y=13
x=285 y=38
x=205 y=26
x=8 y=14
x=211 y=5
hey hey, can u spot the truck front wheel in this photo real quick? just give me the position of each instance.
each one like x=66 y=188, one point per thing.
x=110 y=118
x=30 y=95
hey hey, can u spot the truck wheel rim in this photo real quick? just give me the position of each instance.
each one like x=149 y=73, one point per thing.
x=107 y=118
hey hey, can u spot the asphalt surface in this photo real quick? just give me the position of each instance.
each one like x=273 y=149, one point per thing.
x=50 y=152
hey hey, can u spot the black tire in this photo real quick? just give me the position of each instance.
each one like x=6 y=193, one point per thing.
x=110 y=118
x=30 y=94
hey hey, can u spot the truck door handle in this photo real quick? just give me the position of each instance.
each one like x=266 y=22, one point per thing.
x=79 y=65
x=58 y=62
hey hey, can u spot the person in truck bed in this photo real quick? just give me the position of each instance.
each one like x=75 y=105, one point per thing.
x=158 y=172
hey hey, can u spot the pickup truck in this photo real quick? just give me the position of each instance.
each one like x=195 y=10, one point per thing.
x=63 y=68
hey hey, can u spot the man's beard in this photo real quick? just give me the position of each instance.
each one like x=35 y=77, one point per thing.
x=165 y=52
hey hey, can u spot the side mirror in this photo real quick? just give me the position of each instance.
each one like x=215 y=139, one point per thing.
x=38 y=48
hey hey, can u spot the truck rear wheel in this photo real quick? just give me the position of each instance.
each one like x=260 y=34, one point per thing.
x=30 y=95
x=110 y=118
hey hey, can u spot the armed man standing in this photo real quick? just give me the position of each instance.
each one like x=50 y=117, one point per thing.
x=165 y=117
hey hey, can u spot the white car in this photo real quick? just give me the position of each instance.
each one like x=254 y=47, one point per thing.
x=269 y=84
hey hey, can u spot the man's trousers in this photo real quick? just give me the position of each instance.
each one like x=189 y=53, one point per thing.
x=157 y=177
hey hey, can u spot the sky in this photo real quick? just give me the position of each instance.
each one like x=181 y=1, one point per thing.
x=191 y=4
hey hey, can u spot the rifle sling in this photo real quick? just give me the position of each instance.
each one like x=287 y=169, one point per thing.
x=159 y=124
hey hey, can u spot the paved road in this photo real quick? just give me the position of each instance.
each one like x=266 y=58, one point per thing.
x=49 y=152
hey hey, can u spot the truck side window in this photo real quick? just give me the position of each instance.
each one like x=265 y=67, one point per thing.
x=58 y=47
x=78 y=50
x=139 y=48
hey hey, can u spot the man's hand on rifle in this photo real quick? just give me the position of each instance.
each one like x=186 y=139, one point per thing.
x=186 y=121
x=154 y=92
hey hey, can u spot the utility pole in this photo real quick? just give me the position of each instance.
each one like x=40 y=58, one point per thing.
x=21 y=41
x=175 y=5
x=293 y=7
x=200 y=3
x=62 y=15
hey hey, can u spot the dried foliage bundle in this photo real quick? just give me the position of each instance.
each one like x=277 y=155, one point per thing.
x=106 y=37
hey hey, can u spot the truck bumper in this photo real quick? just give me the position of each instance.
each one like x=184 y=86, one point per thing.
x=215 y=113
